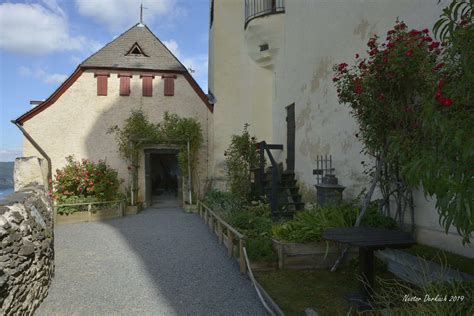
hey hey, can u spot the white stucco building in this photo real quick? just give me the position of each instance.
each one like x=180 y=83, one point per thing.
x=134 y=71
x=269 y=56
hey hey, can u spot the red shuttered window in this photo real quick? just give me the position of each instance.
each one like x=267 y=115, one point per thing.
x=101 y=83
x=169 y=85
x=124 y=84
x=147 y=85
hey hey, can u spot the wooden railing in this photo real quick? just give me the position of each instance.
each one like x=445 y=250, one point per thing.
x=226 y=234
x=276 y=176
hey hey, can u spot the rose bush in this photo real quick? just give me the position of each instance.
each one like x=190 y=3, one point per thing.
x=85 y=179
x=413 y=99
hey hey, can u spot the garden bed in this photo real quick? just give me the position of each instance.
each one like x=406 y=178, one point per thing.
x=109 y=211
x=314 y=255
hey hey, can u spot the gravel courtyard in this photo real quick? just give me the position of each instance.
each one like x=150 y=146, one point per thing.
x=161 y=261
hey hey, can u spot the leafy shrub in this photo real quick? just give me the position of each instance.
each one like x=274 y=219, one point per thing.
x=241 y=157
x=250 y=224
x=223 y=202
x=309 y=225
x=260 y=208
x=86 y=180
x=258 y=230
x=261 y=249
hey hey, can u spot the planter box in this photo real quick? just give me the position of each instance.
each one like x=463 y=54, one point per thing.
x=132 y=209
x=309 y=255
x=263 y=266
x=85 y=216
x=190 y=208
x=417 y=270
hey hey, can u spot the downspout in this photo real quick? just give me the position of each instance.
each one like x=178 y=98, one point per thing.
x=37 y=147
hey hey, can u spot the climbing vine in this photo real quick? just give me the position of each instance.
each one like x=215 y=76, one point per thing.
x=138 y=132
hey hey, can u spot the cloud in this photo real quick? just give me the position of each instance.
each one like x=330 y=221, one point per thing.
x=37 y=29
x=9 y=154
x=119 y=14
x=42 y=75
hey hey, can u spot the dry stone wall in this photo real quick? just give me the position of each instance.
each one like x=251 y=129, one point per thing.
x=26 y=250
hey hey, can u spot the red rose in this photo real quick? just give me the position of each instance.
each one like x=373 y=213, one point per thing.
x=409 y=53
x=426 y=31
x=357 y=55
x=439 y=66
x=358 y=89
x=440 y=84
x=447 y=102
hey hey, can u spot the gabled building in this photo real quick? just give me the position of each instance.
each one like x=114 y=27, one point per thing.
x=134 y=71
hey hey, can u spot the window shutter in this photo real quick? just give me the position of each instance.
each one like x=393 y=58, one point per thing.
x=124 y=84
x=147 y=85
x=169 y=85
x=101 y=83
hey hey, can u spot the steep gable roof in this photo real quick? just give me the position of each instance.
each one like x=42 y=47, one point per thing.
x=116 y=54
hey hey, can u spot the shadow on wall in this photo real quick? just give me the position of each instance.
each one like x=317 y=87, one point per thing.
x=162 y=261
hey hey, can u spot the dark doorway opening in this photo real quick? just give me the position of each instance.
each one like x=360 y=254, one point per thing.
x=161 y=175
x=290 y=137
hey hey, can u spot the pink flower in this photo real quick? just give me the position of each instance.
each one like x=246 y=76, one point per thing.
x=409 y=53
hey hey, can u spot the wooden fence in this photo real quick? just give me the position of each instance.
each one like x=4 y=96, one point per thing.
x=231 y=238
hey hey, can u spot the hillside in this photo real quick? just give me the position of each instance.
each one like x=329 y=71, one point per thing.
x=6 y=174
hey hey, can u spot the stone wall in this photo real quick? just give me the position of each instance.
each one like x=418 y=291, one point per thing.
x=26 y=250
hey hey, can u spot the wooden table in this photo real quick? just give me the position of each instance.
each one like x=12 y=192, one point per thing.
x=368 y=240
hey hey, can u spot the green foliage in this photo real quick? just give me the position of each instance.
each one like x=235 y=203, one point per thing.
x=85 y=180
x=241 y=157
x=258 y=230
x=414 y=103
x=139 y=132
x=309 y=225
x=223 y=202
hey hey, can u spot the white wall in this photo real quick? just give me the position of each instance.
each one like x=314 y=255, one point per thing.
x=77 y=123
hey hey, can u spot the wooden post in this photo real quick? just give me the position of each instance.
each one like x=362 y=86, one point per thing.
x=205 y=216
x=243 y=268
x=89 y=208
x=219 y=232
x=230 y=243
x=211 y=221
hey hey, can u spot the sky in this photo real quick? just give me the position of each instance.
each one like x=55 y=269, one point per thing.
x=43 y=41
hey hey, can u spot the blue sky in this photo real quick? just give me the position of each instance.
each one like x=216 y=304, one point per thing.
x=43 y=41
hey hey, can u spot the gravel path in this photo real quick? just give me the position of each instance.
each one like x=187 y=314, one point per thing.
x=159 y=262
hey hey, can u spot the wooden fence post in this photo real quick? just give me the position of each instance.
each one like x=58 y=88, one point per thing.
x=219 y=232
x=242 y=256
x=230 y=244
x=89 y=208
x=205 y=216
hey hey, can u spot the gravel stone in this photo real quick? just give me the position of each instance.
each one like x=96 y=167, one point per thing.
x=161 y=261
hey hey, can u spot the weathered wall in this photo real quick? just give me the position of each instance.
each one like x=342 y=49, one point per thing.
x=315 y=36
x=26 y=249
x=77 y=123
x=243 y=90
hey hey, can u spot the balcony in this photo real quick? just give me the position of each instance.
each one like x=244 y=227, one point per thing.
x=259 y=8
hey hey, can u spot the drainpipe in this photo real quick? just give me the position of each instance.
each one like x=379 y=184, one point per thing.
x=37 y=147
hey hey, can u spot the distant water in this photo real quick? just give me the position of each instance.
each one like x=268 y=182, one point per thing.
x=5 y=192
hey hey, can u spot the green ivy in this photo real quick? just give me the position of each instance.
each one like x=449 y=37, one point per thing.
x=138 y=132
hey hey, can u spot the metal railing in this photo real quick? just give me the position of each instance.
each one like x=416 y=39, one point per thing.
x=259 y=8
